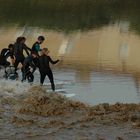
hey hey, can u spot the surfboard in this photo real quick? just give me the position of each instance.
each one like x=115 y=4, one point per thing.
x=62 y=92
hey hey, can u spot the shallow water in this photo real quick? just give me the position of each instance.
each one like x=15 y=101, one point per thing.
x=98 y=47
x=100 y=88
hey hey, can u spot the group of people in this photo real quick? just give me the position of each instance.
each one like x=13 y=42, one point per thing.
x=37 y=57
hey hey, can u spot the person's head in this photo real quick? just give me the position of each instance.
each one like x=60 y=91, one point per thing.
x=18 y=40
x=23 y=39
x=44 y=51
x=40 y=39
x=34 y=54
x=11 y=47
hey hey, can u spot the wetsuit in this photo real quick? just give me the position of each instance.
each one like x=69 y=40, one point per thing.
x=45 y=69
x=18 y=51
x=5 y=53
x=36 y=47
x=28 y=62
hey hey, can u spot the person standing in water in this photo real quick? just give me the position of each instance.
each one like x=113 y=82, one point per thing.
x=28 y=64
x=7 y=53
x=36 y=48
x=44 y=67
x=19 y=47
x=7 y=60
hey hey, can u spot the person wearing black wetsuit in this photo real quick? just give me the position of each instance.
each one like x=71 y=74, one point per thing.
x=28 y=63
x=5 y=53
x=44 y=67
x=19 y=47
x=7 y=60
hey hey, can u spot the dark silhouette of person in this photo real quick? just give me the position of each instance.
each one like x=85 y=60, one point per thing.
x=19 y=47
x=44 y=67
x=5 y=53
x=28 y=63
x=7 y=60
x=36 y=48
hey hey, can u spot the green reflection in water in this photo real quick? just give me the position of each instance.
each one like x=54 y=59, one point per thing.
x=69 y=15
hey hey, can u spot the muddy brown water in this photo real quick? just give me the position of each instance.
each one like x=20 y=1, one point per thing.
x=36 y=114
x=99 y=52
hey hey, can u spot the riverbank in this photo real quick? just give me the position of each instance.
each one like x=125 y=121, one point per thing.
x=36 y=114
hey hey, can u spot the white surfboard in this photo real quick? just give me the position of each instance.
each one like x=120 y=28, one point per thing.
x=63 y=92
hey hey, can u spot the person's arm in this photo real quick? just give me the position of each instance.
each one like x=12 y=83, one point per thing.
x=27 y=49
x=33 y=66
x=36 y=62
x=53 y=62
x=12 y=58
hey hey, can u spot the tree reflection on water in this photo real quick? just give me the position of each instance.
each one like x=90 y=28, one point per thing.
x=69 y=15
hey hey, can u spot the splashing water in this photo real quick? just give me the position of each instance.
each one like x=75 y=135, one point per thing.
x=12 y=88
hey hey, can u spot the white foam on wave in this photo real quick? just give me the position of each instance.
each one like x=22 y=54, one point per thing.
x=11 y=88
